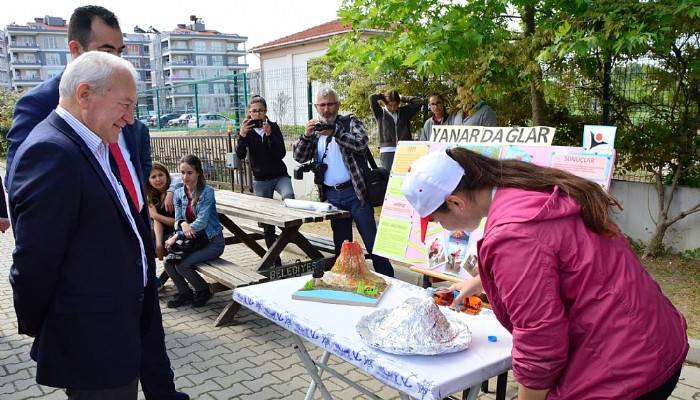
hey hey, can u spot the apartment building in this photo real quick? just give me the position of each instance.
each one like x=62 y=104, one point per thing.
x=36 y=51
x=192 y=53
x=4 y=67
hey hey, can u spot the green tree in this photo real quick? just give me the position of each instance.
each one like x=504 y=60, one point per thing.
x=8 y=99
x=655 y=46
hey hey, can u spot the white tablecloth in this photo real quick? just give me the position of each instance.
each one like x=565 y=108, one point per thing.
x=332 y=327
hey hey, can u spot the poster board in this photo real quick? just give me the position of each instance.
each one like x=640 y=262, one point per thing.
x=398 y=232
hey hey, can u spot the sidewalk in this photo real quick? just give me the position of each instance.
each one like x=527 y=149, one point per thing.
x=253 y=359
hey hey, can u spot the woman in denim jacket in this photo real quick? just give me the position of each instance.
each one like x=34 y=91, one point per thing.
x=195 y=215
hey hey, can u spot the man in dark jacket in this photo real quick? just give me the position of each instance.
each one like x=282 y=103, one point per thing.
x=393 y=121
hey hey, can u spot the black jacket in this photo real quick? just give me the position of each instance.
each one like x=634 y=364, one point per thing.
x=389 y=131
x=265 y=153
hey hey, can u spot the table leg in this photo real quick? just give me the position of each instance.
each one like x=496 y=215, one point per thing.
x=312 y=386
x=227 y=314
x=310 y=367
x=268 y=259
x=240 y=234
x=472 y=392
x=501 y=384
x=306 y=247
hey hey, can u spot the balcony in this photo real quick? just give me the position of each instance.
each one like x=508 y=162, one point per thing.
x=14 y=46
x=179 y=50
x=178 y=63
x=27 y=79
x=180 y=78
x=29 y=63
x=238 y=52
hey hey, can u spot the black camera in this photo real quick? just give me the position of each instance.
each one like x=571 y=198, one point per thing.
x=319 y=170
x=320 y=126
x=255 y=123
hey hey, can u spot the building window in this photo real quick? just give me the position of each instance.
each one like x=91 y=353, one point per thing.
x=201 y=74
x=217 y=46
x=219 y=88
x=202 y=60
x=200 y=46
x=50 y=42
x=179 y=45
x=203 y=88
x=51 y=73
x=218 y=61
x=232 y=46
x=232 y=60
x=133 y=50
x=53 y=59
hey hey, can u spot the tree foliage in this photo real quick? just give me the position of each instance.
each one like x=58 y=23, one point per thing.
x=8 y=99
x=559 y=62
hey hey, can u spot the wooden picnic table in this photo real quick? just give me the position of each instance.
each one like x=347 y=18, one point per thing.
x=262 y=211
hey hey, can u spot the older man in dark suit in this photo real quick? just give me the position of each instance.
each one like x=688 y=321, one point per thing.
x=83 y=267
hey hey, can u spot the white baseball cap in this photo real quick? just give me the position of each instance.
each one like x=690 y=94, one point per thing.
x=430 y=180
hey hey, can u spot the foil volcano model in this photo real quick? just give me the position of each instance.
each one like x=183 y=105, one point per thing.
x=417 y=326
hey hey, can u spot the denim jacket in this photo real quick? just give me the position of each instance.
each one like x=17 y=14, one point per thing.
x=205 y=211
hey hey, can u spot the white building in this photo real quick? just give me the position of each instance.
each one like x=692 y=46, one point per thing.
x=4 y=66
x=36 y=51
x=190 y=54
x=283 y=64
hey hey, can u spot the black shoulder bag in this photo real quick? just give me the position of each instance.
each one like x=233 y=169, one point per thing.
x=376 y=180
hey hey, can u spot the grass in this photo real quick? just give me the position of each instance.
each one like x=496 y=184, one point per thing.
x=679 y=278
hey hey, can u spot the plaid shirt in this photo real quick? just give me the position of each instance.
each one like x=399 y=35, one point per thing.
x=352 y=143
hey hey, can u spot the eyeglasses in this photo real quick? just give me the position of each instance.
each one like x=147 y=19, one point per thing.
x=322 y=105
x=435 y=104
x=262 y=110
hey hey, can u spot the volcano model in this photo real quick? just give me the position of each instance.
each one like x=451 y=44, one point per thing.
x=348 y=282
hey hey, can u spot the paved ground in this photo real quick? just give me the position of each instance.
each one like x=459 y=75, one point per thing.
x=252 y=359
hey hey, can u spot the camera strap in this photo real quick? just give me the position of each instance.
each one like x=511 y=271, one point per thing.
x=325 y=151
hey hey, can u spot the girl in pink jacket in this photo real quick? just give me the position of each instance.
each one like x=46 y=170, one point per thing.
x=588 y=322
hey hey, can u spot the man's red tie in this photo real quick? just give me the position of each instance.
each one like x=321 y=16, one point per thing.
x=127 y=182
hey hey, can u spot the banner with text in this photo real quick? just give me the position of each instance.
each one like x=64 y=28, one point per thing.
x=493 y=136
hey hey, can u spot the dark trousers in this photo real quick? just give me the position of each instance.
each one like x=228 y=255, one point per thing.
x=184 y=271
x=127 y=392
x=346 y=199
x=664 y=391
x=267 y=189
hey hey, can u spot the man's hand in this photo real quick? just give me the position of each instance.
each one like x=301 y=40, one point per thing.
x=267 y=128
x=168 y=203
x=4 y=222
x=309 y=128
x=245 y=128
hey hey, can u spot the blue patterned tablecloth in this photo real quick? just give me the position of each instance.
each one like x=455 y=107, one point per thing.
x=332 y=327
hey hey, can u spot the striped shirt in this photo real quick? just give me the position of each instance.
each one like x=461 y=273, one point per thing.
x=101 y=152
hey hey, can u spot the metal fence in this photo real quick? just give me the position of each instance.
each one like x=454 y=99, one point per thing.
x=212 y=151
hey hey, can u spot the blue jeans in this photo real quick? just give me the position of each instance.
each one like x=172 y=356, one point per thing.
x=363 y=216
x=281 y=185
x=184 y=272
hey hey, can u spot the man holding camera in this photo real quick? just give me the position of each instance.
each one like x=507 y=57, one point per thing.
x=335 y=145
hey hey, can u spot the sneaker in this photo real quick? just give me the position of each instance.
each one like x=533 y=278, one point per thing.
x=180 y=300
x=201 y=298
